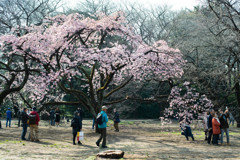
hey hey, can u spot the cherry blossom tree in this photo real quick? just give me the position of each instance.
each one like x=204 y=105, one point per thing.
x=103 y=55
x=186 y=104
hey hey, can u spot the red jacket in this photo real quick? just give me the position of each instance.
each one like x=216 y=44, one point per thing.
x=216 y=126
x=37 y=116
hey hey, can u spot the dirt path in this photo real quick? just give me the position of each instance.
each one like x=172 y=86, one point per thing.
x=139 y=140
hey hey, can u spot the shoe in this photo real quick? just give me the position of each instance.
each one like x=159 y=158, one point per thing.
x=37 y=140
x=104 y=146
x=97 y=144
x=32 y=140
x=228 y=144
x=74 y=143
x=23 y=139
x=79 y=143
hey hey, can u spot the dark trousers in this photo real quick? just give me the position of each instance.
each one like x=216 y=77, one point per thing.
x=93 y=124
x=24 y=131
x=210 y=133
x=116 y=126
x=215 y=138
x=0 y=124
x=74 y=138
x=103 y=132
x=8 y=122
x=19 y=121
x=206 y=134
x=188 y=132
x=52 y=121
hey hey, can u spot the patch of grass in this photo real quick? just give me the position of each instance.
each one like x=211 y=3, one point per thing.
x=174 y=133
x=91 y=158
x=126 y=122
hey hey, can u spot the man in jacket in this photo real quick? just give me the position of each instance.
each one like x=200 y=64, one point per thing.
x=116 y=120
x=34 y=127
x=224 y=125
x=52 y=117
x=9 y=117
x=19 y=114
x=24 y=117
x=103 y=128
x=209 y=122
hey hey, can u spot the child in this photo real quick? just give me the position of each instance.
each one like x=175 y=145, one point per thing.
x=216 y=129
x=76 y=125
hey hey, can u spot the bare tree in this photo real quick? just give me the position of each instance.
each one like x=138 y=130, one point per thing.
x=17 y=13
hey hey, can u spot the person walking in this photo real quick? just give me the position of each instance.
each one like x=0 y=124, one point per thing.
x=76 y=125
x=102 y=127
x=216 y=129
x=52 y=117
x=34 y=126
x=187 y=128
x=116 y=120
x=24 y=118
x=19 y=114
x=224 y=125
x=57 y=120
x=9 y=117
x=210 y=131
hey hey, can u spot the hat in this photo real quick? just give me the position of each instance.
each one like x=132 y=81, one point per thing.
x=9 y=108
x=34 y=108
x=104 y=107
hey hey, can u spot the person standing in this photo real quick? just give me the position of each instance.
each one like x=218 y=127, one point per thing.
x=9 y=117
x=24 y=118
x=116 y=120
x=231 y=119
x=205 y=125
x=224 y=126
x=52 y=117
x=19 y=114
x=57 y=120
x=93 y=124
x=103 y=127
x=34 y=127
x=76 y=125
x=79 y=110
x=216 y=129
x=0 y=121
x=210 y=131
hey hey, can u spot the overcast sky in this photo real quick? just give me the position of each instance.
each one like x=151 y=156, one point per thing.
x=175 y=4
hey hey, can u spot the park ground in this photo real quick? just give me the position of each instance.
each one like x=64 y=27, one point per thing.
x=139 y=139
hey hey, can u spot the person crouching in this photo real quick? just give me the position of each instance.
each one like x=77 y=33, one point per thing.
x=76 y=125
x=216 y=129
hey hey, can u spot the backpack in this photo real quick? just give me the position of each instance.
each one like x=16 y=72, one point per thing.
x=99 y=119
x=32 y=119
x=74 y=123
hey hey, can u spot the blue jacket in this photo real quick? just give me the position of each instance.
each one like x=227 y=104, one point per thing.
x=9 y=114
x=104 y=120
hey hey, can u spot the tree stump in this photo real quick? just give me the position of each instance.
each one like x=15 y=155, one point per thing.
x=114 y=154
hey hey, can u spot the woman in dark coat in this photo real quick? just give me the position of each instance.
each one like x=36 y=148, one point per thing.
x=57 y=120
x=76 y=125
